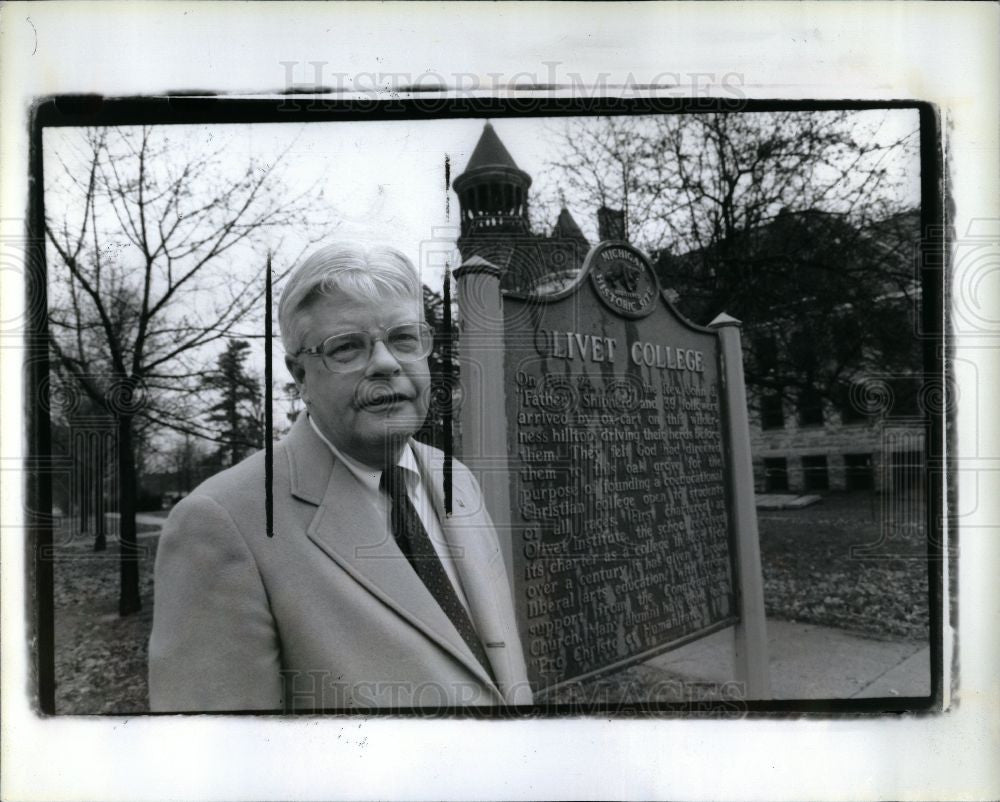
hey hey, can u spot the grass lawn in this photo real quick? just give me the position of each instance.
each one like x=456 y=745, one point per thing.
x=831 y=564
x=100 y=656
x=824 y=564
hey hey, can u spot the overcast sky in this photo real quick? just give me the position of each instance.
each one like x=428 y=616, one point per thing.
x=384 y=180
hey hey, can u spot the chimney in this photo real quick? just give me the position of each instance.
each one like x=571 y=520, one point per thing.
x=610 y=224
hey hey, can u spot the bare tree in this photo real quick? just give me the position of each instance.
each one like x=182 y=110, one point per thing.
x=156 y=249
x=799 y=223
x=687 y=182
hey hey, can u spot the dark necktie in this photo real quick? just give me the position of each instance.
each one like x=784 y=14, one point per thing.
x=414 y=542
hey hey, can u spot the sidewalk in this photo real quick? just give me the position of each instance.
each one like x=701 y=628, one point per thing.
x=811 y=662
x=143 y=518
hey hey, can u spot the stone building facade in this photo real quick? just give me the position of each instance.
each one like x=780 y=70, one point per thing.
x=876 y=454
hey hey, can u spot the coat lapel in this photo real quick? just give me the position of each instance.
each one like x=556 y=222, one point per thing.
x=350 y=528
x=309 y=462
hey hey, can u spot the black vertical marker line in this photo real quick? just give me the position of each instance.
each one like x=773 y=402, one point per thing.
x=40 y=595
x=447 y=379
x=937 y=361
x=268 y=411
x=447 y=186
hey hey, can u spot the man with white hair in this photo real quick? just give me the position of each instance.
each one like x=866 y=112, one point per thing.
x=367 y=595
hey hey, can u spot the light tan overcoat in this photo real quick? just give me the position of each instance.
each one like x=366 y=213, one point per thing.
x=327 y=614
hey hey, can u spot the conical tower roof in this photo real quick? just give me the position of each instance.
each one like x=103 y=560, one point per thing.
x=490 y=152
x=566 y=227
x=491 y=161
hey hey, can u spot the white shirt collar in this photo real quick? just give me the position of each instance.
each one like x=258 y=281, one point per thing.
x=368 y=476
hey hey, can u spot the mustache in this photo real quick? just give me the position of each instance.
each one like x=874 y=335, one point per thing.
x=371 y=395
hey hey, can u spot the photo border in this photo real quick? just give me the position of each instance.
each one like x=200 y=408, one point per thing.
x=95 y=110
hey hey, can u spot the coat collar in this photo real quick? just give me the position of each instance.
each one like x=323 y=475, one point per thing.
x=309 y=461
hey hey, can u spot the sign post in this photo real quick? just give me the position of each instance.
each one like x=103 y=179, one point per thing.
x=751 y=629
x=480 y=364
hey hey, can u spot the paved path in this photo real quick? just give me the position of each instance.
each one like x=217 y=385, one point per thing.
x=140 y=518
x=812 y=662
x=785 y=501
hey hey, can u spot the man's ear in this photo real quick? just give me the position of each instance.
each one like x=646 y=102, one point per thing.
x=296 y=369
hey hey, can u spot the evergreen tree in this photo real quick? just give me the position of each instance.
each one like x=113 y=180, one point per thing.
x=443 y=365
x=239 y=411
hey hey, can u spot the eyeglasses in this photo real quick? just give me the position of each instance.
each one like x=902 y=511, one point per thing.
x=342 y=353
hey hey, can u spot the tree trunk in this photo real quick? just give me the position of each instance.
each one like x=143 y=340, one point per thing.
x=86 y=484
x=128 y=601
x=96 y=483
x=234 y=429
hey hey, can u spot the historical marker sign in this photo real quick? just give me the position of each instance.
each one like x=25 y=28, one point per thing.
x=618 y=514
